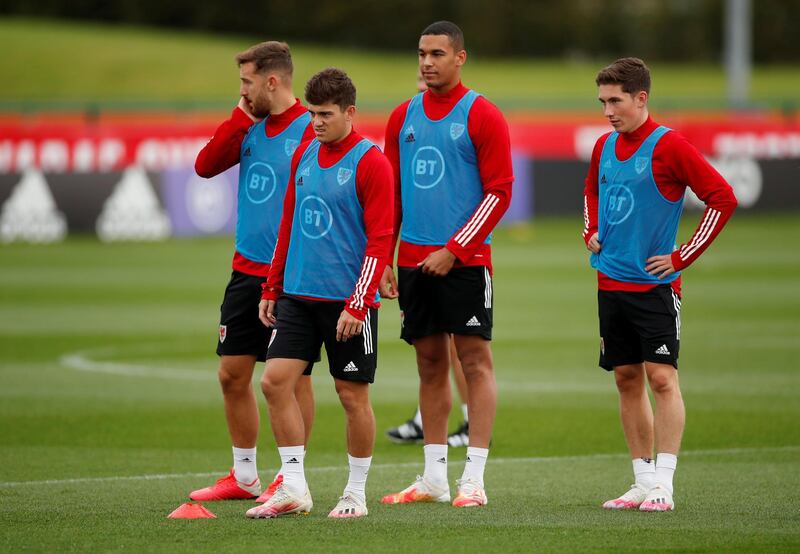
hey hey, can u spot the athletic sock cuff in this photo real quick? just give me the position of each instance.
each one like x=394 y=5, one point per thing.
x=291 y=450
x=435 y=449
x=361 y=462
x=666 y=460
x=475 y=451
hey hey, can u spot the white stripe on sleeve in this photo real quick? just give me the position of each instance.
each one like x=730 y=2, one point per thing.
x=705 y=231
x=478 y=219
x=363 y=282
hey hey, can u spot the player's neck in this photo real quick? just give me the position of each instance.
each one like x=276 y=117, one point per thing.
x=642 y=120
x=445 y=89
x=282 y=102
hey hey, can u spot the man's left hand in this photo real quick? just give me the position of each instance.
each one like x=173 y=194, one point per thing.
x=660 y=266
x=348 y=326
x=438 y=263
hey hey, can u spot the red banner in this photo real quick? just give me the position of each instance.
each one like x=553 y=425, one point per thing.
x=160 y=141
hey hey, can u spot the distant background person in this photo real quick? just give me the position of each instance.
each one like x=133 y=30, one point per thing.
x=261 y=135
x=410 y=432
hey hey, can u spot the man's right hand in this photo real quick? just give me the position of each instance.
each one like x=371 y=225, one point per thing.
x=388 y=284
x=245 y=107
x=266 y=312
x=594 y=244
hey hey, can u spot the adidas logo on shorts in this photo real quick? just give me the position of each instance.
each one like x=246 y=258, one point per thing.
x=350 y=367
x=663 y=350
x=473 y=322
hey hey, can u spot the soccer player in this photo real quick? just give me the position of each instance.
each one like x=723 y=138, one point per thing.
x=410 y=432
x=450 y=151
x=261 y=135
x=632 y=204
x=333 y=244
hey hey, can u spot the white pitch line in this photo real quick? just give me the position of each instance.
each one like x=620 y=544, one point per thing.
x=81 y=361
x=323 y=469
x=86 y=361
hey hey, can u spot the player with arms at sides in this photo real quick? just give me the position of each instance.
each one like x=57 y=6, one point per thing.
x=633 y=200
x=451 y=155
x=334 y=241
x=261 y=136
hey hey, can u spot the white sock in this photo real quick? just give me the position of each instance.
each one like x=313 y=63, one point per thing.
x=644 y=470
x=244 y=465
x=476 y=463
x=294 y=477
x=465 y=411
x=278 y=474
x=418 y=418
x=357 y=482
x=435 y=463
x=665 y=469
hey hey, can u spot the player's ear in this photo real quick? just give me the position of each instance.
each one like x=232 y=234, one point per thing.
x=349 y=112
x=461 y=57
x=641 y=98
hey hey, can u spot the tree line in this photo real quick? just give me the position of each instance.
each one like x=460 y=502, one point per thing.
x=665 y=30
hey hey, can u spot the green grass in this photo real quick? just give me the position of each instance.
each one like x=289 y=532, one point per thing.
x=59 y=64
x=110 y=411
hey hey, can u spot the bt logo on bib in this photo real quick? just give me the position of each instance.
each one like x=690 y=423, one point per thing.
x=428 y=167
x=620 y=204
x=260 y=183
x=316 y=218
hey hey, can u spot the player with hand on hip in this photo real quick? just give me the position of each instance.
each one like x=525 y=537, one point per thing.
x=633 y=199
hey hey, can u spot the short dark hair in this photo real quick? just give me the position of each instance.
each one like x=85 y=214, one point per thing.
x=631 y=73
x=331 y=85
x=268 y=56
x=448 y=28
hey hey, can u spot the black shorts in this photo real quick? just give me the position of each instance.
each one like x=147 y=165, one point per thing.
x=639 y=326
x=459 y=303
x=303 y=326
x=240 y=330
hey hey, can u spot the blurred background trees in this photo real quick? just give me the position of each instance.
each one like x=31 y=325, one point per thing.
x=664 y=30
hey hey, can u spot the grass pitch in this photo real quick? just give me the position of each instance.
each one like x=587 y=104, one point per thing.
x=110 y=412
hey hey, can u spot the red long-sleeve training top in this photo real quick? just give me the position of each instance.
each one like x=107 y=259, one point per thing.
x=223 y=150
x=374 y=189
x=488 y=131
x=676 y=164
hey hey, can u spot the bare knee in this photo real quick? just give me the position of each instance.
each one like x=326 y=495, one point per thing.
x=476 y=366
x=431 y=360
x=353 y=396
x=663 y=381
x=476 y=359
x=273 y=386
x=234 y=378
x=433 y=363
x=629 y=379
